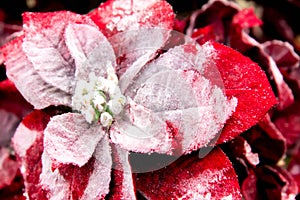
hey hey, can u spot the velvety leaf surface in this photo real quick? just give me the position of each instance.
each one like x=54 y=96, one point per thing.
x=45 y=46
x=22 y=73
x=246 y=81
x=134 y=49
x=173 y=103
x=190 y=177
x=69 y=139
x=116 y=16
x=90 y=50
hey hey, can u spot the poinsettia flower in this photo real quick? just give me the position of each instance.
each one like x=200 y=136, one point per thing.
x=148 y=101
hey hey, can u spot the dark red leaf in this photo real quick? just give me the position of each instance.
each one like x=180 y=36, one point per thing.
x=288 y=122
x=282 y=53
x=12 y=101
x=190 y=177
x=269 y=182
x=267 y=141
x=217 y=14
x=241 y=151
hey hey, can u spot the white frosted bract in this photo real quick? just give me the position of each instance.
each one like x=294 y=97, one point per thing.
x=90 y=49
x=47 y=50
x=52 y=181
x=23 y=139
x=30 y=84
x=70 y=139
x=174 y=90
x=98 y=184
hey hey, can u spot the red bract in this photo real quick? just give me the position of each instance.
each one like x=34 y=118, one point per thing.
x=246 y=81
x=192 y=178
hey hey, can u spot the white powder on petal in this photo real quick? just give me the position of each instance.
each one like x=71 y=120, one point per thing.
x=53 y=181
x=23 y=139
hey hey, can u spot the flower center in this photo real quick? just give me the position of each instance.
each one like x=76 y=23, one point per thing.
x=99 y=99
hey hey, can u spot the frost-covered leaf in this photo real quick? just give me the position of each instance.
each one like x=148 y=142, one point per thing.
x=90 y=49
x=122 y=186
x=135 y=48
x=44 y=45
x=28 y=145
x=69 y=139
x=33 y=88
x=190 y=177
x=246 y=81
x=122 y=15
x=173 y=105
x=91 y=181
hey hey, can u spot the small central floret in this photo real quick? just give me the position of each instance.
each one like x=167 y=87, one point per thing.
x=99 y=99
